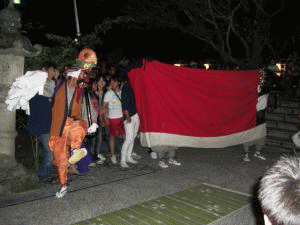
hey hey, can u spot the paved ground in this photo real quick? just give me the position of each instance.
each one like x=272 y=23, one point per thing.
x=222 y=167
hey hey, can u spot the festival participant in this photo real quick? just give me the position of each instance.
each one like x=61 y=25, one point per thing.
x=114 y=116
x=33 y=92
x=39 y=121
x=261 y=107
x=97 y=96
x=279 y=192
x=131 y=123
x=166 y=154
x=72 y=118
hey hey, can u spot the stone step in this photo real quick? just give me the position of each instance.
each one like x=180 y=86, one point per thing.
x=283 y=130
x=287 y=110
x=279 y=142
x=282 y=123
x=288 y=104
x=276 y=148
x=279 y=133
x=274 y=124
x=291 y=118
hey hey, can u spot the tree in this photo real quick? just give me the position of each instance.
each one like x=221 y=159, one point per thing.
x=63 y=52
x=238 y=30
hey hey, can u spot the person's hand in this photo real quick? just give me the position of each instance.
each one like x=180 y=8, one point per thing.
x=128 y=118
x=93 y=128
x=106 y=121
x=102 y=112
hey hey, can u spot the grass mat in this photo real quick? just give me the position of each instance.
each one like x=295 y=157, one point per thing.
x=198 y=205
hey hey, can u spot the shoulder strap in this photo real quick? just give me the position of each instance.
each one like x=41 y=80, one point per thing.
x=71 y=103
x=88 y=109
x=117 y=96
x=66 y=110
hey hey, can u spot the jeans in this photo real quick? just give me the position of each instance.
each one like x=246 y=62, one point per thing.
x=46 y=167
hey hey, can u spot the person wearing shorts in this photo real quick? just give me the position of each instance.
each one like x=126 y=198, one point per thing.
x=114 y=116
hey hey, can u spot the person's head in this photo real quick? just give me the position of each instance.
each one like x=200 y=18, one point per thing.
x=51 y=69
x=112 y=70
x=279 y=192
x=99 y=84
x=115 y=82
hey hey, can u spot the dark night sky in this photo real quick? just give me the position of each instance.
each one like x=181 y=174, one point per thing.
x=58 y=18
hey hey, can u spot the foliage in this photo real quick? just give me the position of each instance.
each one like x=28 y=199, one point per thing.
x=108 y=23
x=238 y=30
x=63 y=51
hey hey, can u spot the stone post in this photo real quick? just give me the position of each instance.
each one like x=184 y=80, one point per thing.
x=11 y=66
x=13 y=48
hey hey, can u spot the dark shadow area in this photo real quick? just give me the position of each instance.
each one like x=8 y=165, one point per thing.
x=24 y=143
x=255 y=204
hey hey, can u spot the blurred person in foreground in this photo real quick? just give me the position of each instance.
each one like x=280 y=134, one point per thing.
x=279 y=192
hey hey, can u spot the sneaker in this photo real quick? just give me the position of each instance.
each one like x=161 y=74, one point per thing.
x=77 y=154
x=101 y=159
x=174 y=162
x=92 y=164
x=246 y=158
x=153 y=155
x=162 y=164
x=124 y=165
x=136 y=156
x=113 y=159
x=63 y=191
x=131 y=160
x=100 y=156
x=259 y=156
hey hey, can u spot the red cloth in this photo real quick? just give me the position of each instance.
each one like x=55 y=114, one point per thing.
x=194 y=102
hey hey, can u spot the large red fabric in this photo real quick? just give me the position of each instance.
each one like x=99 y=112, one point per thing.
x=194 y=102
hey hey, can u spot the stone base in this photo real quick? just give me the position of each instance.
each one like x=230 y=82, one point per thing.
x=13 y=176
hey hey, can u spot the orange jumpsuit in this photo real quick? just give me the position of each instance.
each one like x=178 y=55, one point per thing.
x=73 y=135
x=65 y=131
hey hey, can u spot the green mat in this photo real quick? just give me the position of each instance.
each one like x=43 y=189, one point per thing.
x=199 y=205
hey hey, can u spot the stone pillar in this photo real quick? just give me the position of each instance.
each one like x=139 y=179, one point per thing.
x=11 y=67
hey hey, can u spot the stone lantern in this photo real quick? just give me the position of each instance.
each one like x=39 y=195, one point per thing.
x=13 y=48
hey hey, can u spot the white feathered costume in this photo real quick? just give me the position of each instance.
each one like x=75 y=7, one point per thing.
x=24 y=88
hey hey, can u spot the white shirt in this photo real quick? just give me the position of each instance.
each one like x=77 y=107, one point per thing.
x=114 y=104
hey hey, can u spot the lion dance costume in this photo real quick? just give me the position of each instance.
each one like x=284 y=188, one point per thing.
x=72 y=118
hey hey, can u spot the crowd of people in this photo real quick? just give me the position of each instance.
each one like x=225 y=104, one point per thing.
x=105 y=109
x=83 y=116
x=285 y=81
x=79 y=115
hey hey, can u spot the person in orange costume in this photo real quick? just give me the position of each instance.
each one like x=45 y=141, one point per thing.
x=72 y=119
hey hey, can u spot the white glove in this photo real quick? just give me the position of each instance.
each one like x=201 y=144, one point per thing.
x=93 y=128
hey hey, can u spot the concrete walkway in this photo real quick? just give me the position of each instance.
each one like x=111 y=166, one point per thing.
x=221 y=167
